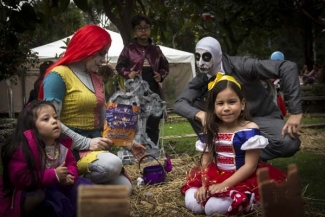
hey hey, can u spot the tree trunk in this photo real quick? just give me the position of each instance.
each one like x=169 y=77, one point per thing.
x=122 y=20
x=308 y=43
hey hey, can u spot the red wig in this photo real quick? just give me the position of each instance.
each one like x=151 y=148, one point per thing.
x=85 y=43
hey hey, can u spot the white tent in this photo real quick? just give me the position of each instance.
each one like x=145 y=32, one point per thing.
x=181 y=67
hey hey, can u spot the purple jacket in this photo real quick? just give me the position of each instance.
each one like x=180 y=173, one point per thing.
x=133 y=55
x=20 y=177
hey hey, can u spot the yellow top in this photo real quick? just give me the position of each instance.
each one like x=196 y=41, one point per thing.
x=81 y=107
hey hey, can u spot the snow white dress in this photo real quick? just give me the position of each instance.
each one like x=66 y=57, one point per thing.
x=230 y=149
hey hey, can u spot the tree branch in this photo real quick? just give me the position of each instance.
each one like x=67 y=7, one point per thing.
x=142 y=6
x=315 y=20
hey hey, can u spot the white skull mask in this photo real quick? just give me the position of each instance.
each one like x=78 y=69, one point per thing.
x=208 y=56
x=204 y=60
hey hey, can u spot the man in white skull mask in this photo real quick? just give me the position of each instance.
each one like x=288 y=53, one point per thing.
x=208 y=59
x=283 y=136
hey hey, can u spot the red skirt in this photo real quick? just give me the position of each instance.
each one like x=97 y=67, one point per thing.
x=244 y=194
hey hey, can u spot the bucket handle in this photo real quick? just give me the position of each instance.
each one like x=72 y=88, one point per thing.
x=148 y=155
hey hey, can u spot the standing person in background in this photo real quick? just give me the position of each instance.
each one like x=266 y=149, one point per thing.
x=42 y=69
x=40 y=175
x=76 y=91
x=142 y=57
x=283 y=135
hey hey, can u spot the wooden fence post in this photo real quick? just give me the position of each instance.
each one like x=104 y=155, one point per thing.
x=280 y=199
x=103 y=201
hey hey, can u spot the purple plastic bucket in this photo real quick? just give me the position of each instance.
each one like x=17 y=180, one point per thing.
x=153 y=174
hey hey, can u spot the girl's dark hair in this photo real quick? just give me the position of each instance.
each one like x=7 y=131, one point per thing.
x=212 y=121
x=136 y=20
x=26 y=121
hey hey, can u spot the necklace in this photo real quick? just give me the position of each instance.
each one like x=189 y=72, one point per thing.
x=52 y=152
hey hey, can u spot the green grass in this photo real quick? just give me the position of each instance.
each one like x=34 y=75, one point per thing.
x=311 y=172
x=182 y=128
x=180 y=146
x=186 y=145
x=312 y=120
x=309 y=164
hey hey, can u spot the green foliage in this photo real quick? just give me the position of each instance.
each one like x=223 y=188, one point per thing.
x=171 y=19
x=15 y=56
x=63 y=4
x=82 y=4
x=118 y=79
x=55 y=26
x=66 y=42
x=258 y=27
x=253 y=28
x=25 y=25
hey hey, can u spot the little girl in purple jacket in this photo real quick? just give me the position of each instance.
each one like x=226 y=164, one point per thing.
x=39 y=171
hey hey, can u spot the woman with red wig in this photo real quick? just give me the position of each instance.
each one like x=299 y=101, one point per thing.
x=76 y=91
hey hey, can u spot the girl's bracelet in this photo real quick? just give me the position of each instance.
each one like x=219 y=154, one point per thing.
x=56 y=175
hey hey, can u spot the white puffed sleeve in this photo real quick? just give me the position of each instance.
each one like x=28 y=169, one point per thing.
x=255 y=142
x=200 y=146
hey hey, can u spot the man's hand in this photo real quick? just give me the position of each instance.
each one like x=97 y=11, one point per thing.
x=292 y=126
x=99 y=143
x=200 y=116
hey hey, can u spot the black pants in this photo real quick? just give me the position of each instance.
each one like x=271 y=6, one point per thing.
x=153 y=128
x=153 y=122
